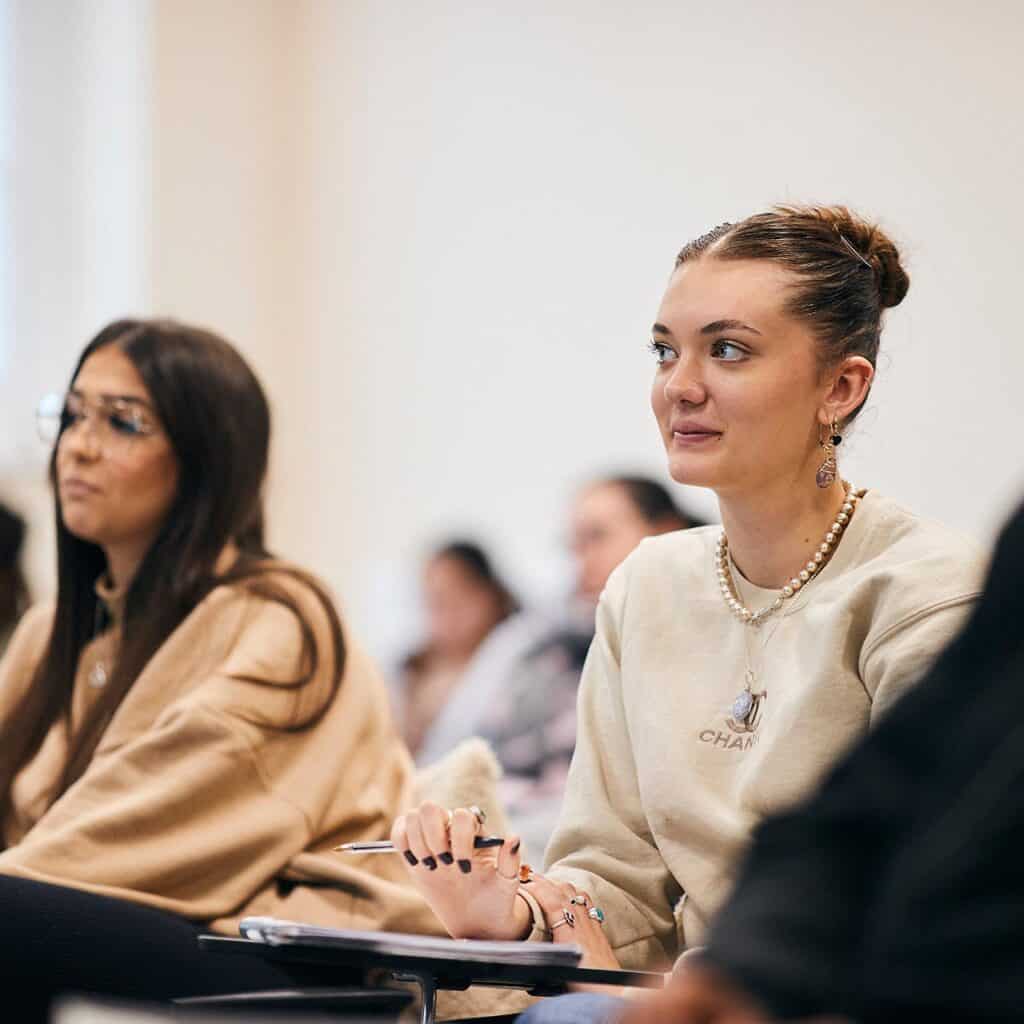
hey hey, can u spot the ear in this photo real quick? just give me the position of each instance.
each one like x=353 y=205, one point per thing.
x=847 y=390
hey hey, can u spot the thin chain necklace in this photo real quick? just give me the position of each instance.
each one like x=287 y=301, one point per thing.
x=744 y=703
x=98 y=673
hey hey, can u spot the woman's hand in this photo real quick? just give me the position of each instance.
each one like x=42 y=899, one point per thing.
x=473 y=892
x=567 y=911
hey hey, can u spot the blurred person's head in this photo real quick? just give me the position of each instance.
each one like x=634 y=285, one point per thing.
x=13 y=589
x=464 y=599
x=609 y=518
x=766 y=341
x=160 y=448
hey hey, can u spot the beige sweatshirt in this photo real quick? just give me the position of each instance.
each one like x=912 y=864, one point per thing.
x=197 y=800
x=665 y=787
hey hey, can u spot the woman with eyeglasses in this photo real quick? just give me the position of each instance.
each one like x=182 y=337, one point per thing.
x=188 y=730
x=731 y=665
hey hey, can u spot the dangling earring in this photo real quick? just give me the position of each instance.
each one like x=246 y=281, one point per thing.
x=826 y=475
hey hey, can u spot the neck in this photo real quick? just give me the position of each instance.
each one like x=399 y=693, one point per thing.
x=123 y=562
x=772 y=534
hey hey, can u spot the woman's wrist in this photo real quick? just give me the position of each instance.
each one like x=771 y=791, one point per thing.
x=530 y=917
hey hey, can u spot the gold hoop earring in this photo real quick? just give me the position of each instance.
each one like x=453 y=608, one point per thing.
x=826 y=475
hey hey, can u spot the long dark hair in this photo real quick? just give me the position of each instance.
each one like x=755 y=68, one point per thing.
x=14 y=595
x=217 y=419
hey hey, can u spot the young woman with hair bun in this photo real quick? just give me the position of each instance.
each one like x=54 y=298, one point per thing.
x=188 y=730
x=732 y=665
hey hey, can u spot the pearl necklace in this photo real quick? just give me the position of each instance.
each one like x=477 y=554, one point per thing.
x=804 y=576
x=744 y=708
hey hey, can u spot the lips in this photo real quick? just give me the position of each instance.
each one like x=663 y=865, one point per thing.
x=75 y=488
x=689 y=430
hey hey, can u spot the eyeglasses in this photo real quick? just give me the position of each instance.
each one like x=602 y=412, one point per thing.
x=119 y=423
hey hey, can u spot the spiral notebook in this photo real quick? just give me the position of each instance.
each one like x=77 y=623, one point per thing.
x=275 y=932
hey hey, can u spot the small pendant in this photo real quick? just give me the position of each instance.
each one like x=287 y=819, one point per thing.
x=744 y=702
x=98 y=675
x=742 y=705
x=826 y=475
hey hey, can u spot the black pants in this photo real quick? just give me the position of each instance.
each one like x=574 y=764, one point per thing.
x=55 y=940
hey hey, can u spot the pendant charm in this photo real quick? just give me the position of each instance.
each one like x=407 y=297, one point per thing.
x=744 y=702
x=98 y=675
x=826 y=475
x=742 y=705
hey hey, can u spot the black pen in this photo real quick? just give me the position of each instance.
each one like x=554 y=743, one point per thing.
x=384 y=846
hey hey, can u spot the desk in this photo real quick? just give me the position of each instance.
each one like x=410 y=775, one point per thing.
x=433 y=975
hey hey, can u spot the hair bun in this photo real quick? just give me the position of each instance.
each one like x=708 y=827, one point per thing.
x=893 y=281
x=877 y=248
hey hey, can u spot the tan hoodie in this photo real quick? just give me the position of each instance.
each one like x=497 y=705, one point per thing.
x=198 y=800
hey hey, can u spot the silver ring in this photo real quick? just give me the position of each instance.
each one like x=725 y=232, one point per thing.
x=579 y=901
x=568 y=917
x=477 y=813
x=597 y=914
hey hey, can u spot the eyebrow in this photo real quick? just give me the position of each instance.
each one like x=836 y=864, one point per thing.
x=727 y=325
x=714 y=327
x=130 y=399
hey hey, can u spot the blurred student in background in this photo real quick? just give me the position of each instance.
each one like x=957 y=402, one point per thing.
x=531 y=722
x=188 y=732
x=13 y=588
x=465 y=601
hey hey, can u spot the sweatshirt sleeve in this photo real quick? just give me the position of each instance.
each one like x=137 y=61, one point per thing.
x=186 y=815
x=901 y=654
x=603 y=843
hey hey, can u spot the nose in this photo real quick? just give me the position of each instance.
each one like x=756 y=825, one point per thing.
x=81 y=440
x=684 y=383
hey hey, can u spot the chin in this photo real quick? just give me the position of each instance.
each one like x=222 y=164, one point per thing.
x=81 y=528
x=694 y=472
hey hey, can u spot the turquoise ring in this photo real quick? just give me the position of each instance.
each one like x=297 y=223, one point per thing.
x=597 y=914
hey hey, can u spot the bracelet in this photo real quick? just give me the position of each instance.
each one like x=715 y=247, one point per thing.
x=539 y=929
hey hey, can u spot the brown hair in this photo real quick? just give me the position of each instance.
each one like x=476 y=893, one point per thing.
x=14 y=596
x=848 y=271
x=216 y=416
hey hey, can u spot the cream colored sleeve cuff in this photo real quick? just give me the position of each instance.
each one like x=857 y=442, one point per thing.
x=539 y=932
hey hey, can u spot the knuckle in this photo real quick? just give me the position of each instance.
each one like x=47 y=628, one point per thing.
x=463 y=820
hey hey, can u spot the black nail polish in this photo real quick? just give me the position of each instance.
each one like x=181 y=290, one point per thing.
x=410 y=857
x=515 y=849
x=430 y=863
x=465 y=867
x=446 y=858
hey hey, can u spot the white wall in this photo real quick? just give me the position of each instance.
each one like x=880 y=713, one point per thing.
x=228 y=243
x=77 y=105
x=440 y=232
x=515 y=181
